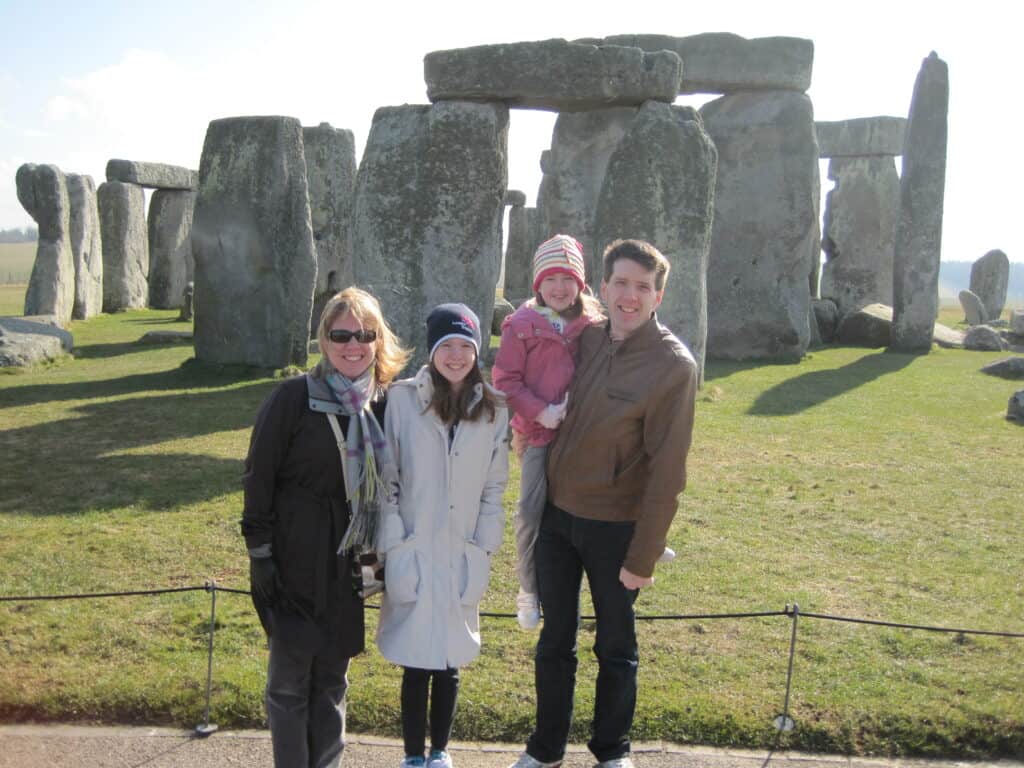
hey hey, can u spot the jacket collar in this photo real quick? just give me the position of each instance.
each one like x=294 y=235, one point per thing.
x=644 y=337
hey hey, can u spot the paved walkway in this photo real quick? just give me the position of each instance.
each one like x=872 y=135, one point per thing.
x=35 y=746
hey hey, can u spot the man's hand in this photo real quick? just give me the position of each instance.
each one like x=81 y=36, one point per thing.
x=632 y=581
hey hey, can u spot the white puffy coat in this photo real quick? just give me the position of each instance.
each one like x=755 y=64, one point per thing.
x=438 y=534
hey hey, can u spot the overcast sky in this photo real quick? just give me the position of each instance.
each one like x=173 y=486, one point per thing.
x=82 y=82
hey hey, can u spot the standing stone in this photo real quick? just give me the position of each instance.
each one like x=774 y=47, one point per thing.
x=331 y=174
x=170 y=246
x=86 y=246
x=860 y=226
x=125 y=246
x=659 y=187
x=428 y=206
x=518 y=256
x=574 y=169
x=919 y=231
x=861 y=136
x=51 y=287
x=990 y=276
x=252 y=240
x=186 y=303
x=974 y=308
x=553 y=74
x=765 y=237
x=1017 y=322
x=1015 y=407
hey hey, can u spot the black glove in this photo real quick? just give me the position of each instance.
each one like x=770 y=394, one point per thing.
x=264 y=580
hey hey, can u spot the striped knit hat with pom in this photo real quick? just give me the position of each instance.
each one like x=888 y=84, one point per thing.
x=559 y=254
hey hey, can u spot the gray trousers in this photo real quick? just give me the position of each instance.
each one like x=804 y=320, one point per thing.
x=305 y=700
x=533 y=495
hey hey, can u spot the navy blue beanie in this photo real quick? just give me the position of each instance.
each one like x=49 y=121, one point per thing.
x=447 y=321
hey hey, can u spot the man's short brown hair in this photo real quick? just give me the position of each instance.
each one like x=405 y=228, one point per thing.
x=641 y=252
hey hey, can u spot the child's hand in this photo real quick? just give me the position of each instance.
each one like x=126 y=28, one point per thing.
x=553 y=414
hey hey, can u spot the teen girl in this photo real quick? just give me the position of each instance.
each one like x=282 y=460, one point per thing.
x=447 y=430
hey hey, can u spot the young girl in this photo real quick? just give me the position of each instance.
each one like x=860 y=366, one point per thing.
x=447 y=430
x=534 y=366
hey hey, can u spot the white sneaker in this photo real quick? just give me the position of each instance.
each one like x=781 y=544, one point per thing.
x=528 y=761
x=412 y=761
x=439 y=759
x=617 y=762
x=667 y=557
x=527 y=610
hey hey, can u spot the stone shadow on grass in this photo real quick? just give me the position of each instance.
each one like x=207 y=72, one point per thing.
x=816 y=387
x=73 y=465
x=191 y=374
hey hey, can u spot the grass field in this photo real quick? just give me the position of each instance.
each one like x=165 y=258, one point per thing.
x=856 y=483
x=16 y=261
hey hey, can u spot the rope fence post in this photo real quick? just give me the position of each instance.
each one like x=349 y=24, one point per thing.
x=784 y=723
x=205 y=728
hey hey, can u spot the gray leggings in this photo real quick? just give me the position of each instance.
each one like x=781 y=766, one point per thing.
x=533 y=494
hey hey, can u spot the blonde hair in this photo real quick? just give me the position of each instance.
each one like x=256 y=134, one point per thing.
x=390 y=356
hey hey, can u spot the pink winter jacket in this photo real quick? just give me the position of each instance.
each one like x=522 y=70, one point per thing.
x=534 y=367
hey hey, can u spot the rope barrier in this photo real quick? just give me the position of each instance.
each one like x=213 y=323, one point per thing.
x=787 y=611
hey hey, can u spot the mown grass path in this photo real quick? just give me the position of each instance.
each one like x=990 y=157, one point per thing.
x=857 y=483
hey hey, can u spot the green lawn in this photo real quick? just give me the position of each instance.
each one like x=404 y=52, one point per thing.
x=16 y=261
x=856 y=483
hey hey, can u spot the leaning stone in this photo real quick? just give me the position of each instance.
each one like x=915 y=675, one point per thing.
x=990 y=276
x=860 y=227
x=166 y=337
x=721 y=62
x=826 y=316
x=252 y=240
x=659 y=187
x=974 y=309
x=574 y=169
x=552 y=74
x=919 y=231
x=86 y=246
x=513 y=197
x=983 y=338
x=765 y=241
x=1017 y=322
x=170 y=246
x=1015 y=407
x=43 y=192
x=502 y=309
x=1007 y=368
x=331 y=174
x=156 y=175
x=869 y=326
x=947 y=337
x=428 y=210
x=125 y=246
x=861 y=136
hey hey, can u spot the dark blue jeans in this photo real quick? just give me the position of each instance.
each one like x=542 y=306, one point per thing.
x=567 y=547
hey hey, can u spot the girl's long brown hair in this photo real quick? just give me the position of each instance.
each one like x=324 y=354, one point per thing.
x=451 y=406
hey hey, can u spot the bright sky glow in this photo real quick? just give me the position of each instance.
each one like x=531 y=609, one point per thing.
x=81 y=83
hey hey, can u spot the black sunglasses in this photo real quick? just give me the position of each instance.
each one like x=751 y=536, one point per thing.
x=341 y=336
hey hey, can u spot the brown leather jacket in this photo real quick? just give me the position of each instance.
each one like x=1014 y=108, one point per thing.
x=621 y=452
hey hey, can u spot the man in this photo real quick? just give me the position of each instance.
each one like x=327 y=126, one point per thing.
x=614 y=473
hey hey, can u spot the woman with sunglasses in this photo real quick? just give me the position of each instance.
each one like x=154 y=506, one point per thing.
x=317 y=463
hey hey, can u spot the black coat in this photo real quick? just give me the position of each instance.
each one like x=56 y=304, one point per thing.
x=295 y=500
